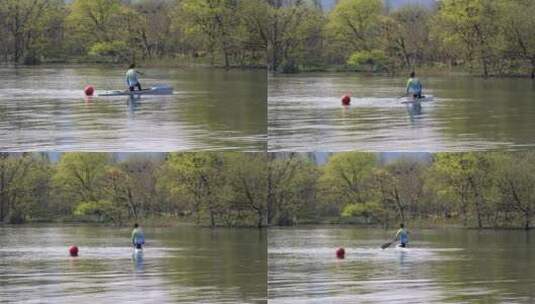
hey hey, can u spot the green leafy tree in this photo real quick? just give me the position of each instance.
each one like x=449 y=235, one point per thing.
x=292 y=186
x=346 y=178
x=28 y=24
x=355 y=25
x=519 y=29
x=247 y=174
x=98 y=27
x=215 y=21
x=198 y=180
x=407 y=36
x=102 y=209
x=24 y=184
x=295 y=36
x=470 y=178
x=516 y=183
x=471 y=28
x=79 y=177
x=400 y=187
x=375 y=59
x=252 y=32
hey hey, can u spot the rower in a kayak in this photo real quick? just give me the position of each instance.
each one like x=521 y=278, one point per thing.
x=131 y=78
x=403 y=236
x=138 y=237
x=414 y=86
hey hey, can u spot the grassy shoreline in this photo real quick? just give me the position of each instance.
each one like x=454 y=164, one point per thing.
x=420 y=70
x=152 y=222
x=414 y=224
x=171 y=222
x=163 y=63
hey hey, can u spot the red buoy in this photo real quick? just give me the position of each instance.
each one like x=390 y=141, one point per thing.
x=73 y=251
x=89 y=90
x=346 y=100
x=341 y=253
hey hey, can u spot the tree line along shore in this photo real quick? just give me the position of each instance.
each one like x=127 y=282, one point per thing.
x=182 y=32
x=483 y=37
x=477 y=190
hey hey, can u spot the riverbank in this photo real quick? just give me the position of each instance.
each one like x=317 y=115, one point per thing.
x=181 y=62
x=412 y=224
x=151 y=222
x=429 y=71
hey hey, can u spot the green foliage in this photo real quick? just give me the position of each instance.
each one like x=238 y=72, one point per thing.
x=197 y=181
x=104 y=211
x=472 y=29
x=345 y=180
x=294 y=37
x=95 y=23
x=91 y=208
x=262 y=189
x=371 y=211
x=79 y=176
x=490 y=37
x=114 y=49
x=23 y=187
x=376 y=59
x=356 y=23
x=229 y=32
x=406 y=37
x=516 y=181
x=29 y=29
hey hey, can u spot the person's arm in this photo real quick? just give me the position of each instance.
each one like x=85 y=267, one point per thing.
x=396 y=236
x=408 y=86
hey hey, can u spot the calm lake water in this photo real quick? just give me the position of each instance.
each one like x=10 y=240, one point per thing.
x=44 y=108
x=442 y=266
x=305 y=113
x=178 y=265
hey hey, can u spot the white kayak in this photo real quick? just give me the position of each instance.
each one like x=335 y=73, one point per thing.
x=156 y=90
x=411 y=100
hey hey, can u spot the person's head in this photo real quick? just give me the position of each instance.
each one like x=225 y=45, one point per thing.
x=132 y=66
x=413 y=74
x=136 y=225
x=401 y=226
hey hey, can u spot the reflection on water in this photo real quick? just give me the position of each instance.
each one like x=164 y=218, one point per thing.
x=137 y=257
x=185 y=264
x=44 y=109
x=441 y=266
x=304 y=113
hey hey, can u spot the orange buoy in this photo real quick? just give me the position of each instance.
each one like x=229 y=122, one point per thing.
x=346 y=100
x=73 y=251
x=340 y=253
x=89 y=90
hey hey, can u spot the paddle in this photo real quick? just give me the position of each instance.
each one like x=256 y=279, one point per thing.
x=386 y=245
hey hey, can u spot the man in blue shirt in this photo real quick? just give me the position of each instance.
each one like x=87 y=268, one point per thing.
x=414 y=86
x=138 y=237
x=403 y=236
x=131 y=78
